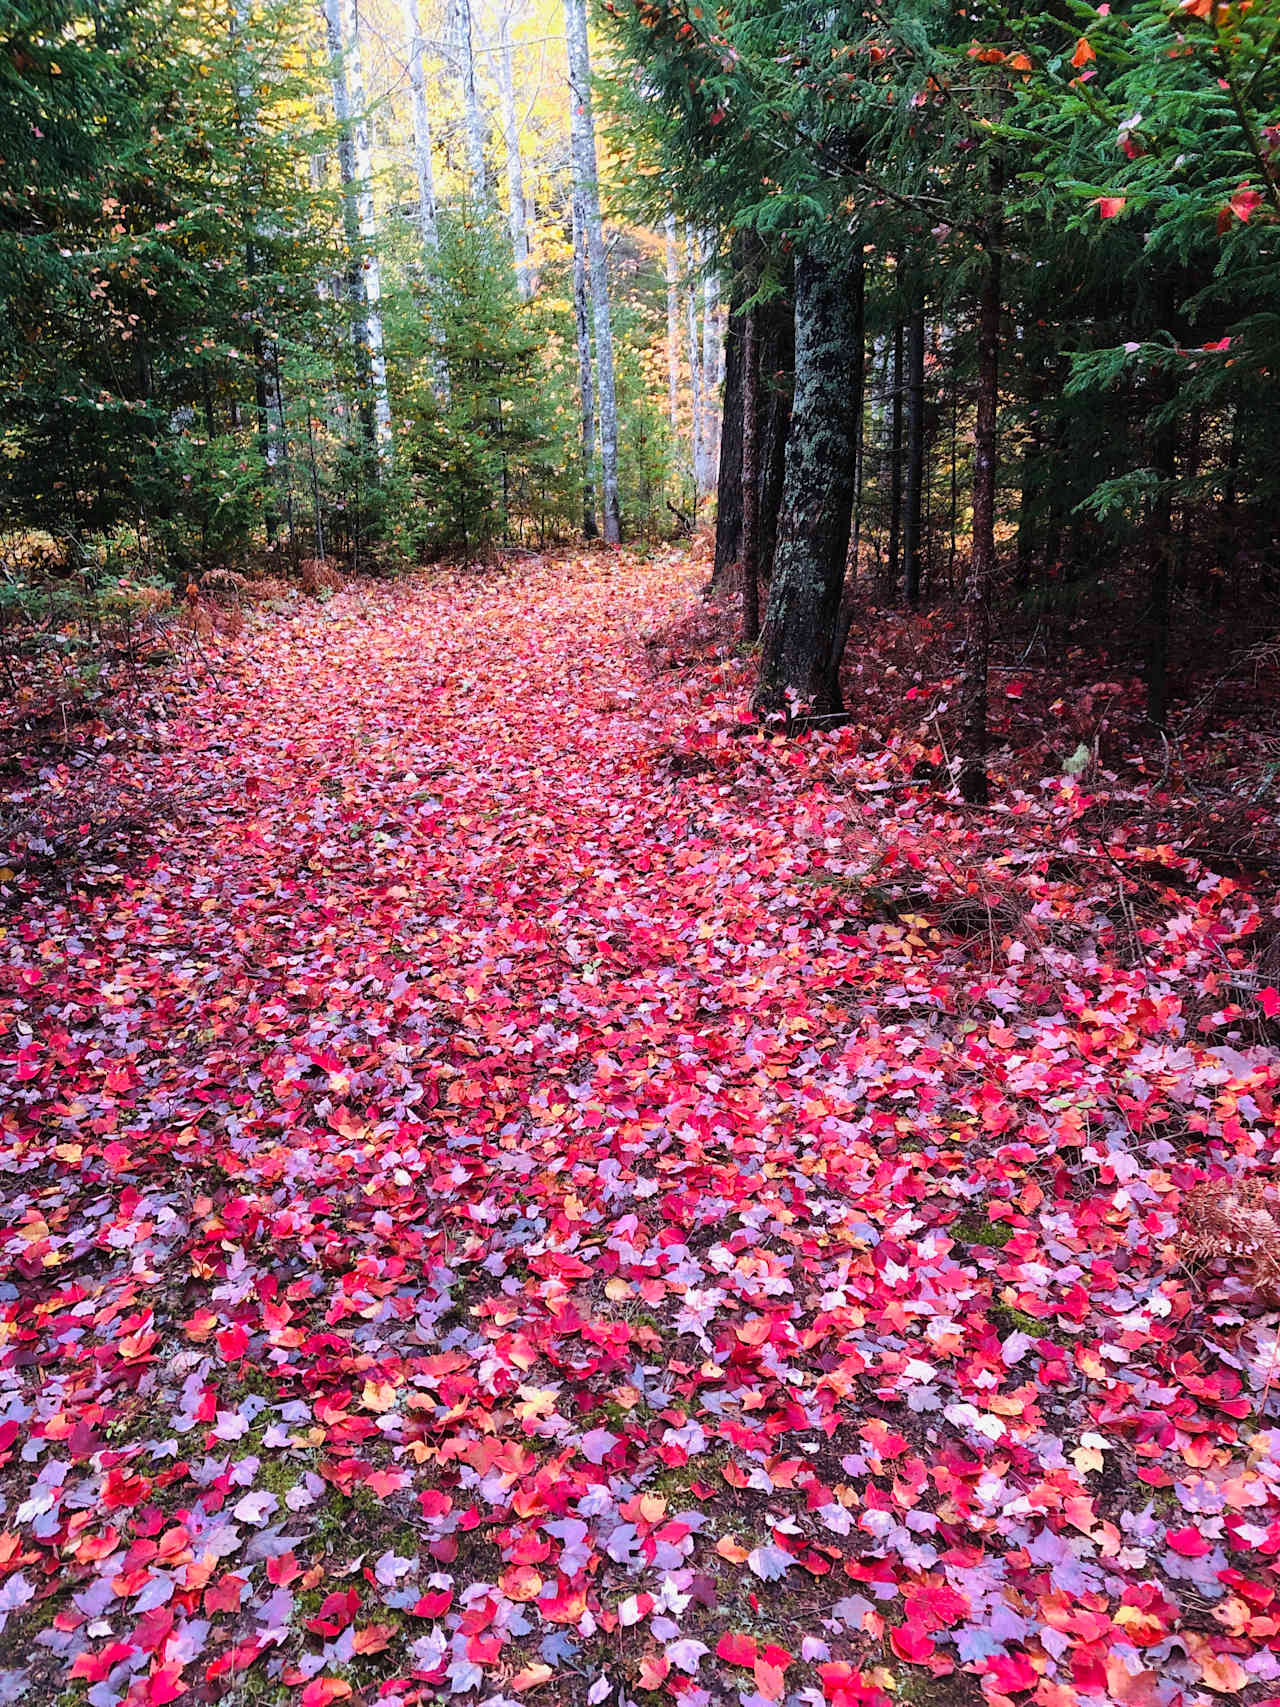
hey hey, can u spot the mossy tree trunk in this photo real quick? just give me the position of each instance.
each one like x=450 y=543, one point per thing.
x=797 y=666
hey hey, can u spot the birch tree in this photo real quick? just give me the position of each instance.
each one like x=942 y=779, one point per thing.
x=428 y=230
x=695 y=363
x=355 y=169
x=517 y=213
x=586 y=186
x=712 y=344
x=424 y=172
x=472 y=111
x=673 y=325
x=586 y=389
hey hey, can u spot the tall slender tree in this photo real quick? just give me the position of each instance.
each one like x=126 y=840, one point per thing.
x=697 y=418
x=362 y=284
x=587 y=190
x=473 y=117
x=517 y=213
x=586 y=387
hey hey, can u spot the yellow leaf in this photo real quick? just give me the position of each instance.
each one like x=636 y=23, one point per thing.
x=378 y=1396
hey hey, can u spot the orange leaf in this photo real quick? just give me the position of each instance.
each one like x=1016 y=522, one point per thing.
x=532 y=1677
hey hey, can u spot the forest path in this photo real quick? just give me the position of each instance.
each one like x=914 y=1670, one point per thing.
x=528 y=1185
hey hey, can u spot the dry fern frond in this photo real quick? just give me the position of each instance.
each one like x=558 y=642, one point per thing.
x=319 y=573
x=1236 y=1221
x=222 y=580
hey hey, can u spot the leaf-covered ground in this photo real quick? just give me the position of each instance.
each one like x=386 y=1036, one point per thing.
x=530 y=1190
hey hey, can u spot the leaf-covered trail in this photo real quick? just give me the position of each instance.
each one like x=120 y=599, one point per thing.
x=529 y=1192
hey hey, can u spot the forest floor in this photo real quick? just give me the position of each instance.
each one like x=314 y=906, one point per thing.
x=521 y=1186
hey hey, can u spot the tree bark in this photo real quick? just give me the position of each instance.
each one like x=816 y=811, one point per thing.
x=423 y=171
x=711 y=349
x=776 y=337
x=517 y=221
x=584 y=170
x=472 y=111
x=695 y=362
x=844 y=620
x=977 y=635
x=913 y=485
x=729 y=487
x=353 y=280
x=749 y=476
x=796 y=674
x=895 y=462
x=586 y=389
x=370 y=266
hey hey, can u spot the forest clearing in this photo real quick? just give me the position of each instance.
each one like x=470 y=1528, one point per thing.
x=639 y=816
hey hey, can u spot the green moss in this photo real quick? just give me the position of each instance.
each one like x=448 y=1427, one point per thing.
x=279 y=1475
x=973 y=1230
x=1010 y=1320
x=674 y=1482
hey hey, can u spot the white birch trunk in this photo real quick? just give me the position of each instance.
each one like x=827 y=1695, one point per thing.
x=695 y=364
x=584 y=172
x=517 y=222
x=362 y=319
x=710 y=370
x=368 y=231
x=428 y=229
x=472 y=111
x=424 y=171
x=673 y=327
x=581 y=293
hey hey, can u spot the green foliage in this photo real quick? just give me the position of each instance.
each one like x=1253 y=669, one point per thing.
x=490 y=453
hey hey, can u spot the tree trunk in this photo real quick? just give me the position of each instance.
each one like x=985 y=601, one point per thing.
x=749 y=475
x=729 y=487
x=585 y=388
x=1163 y=550
x=584 y=171
x=977 y=634
x=913 y=485
x=423 y=170
x=777 y=379
x=424 y=173
x=1029 y=499
x=673 y=327
x=796 y=674
x=711 y=348
x=895 y=462
x=472 y=111
x=517 y=222
x=368 y=234
x=844 y=621
x=266 y=373
x=362 y=278
x=695 y=363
